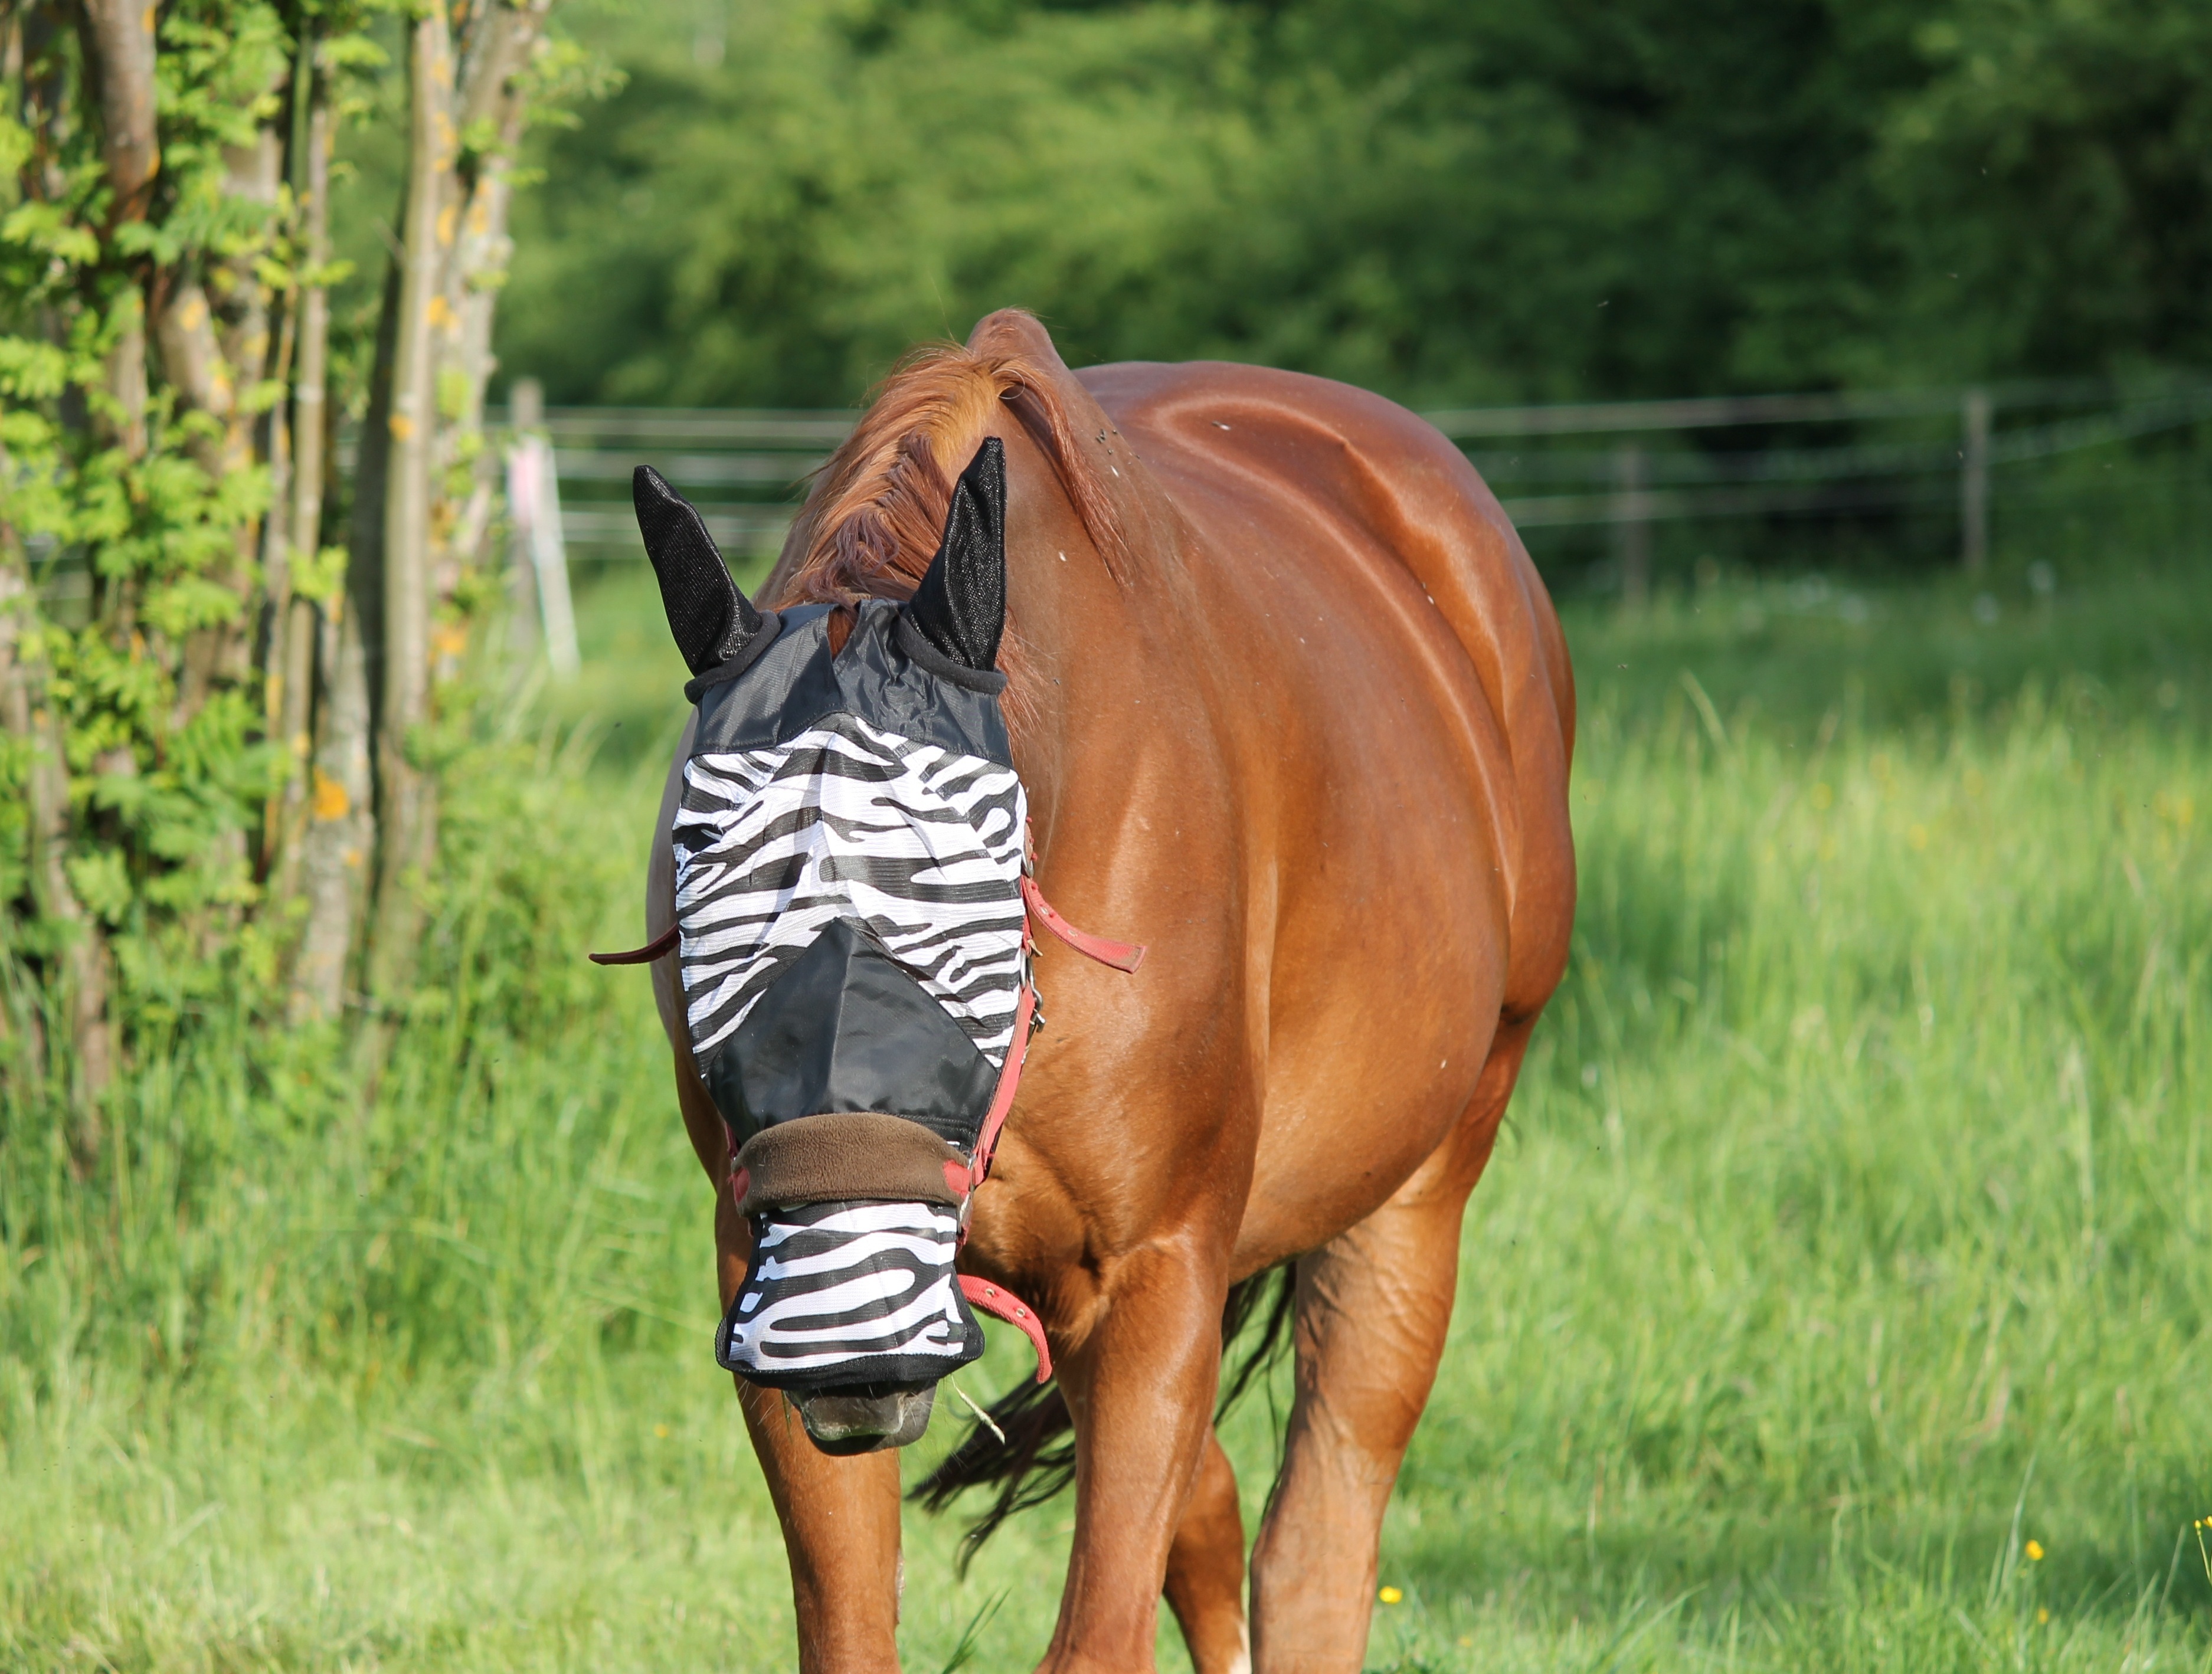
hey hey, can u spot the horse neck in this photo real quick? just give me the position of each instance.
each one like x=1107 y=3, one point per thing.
x=1106 y=667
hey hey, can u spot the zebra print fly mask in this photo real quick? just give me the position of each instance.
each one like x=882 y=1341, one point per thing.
x=849 y=864
x=849 y=842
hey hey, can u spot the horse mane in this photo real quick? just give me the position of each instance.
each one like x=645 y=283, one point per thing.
x=877 y=513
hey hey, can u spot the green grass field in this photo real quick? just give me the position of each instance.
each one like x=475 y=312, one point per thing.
x=1840 y=1296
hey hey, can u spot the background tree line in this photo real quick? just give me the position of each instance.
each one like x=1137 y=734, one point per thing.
x=1515 y=200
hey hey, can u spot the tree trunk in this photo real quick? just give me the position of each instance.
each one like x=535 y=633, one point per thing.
x=122 y=41
x=498 y=50
x=506 y=39
x=296 y=623
x=192 y=362
x=23 y=1027
x=118 y=38
x=348 y=696
x=213 y=358
x=341 y=835
x=276 y=564
x=439 y=303
x=406 y=803
x=84 y=965
x=336 y=846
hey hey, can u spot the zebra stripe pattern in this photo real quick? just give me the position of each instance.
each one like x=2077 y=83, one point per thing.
x=920 y=846
x=848 y=1292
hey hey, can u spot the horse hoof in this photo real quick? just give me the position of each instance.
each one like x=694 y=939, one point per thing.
x=866 y=1418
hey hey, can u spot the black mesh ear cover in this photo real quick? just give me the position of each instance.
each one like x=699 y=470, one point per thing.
x=961 y=605
x=710 y=618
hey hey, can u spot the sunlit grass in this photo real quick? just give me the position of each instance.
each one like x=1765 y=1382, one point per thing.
x=1838 y=1298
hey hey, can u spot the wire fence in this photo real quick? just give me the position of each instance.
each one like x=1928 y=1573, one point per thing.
x=1621 y=466
x=1592 y=482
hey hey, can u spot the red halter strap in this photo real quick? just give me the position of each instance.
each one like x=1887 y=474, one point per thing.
x=1002 y=1098
x=1123 y=956
x=1007 y=1307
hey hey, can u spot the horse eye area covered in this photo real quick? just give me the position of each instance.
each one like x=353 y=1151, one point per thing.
x=857 y=798
x=848 y=847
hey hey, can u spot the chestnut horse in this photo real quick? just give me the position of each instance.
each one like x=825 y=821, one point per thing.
x=1291 y=707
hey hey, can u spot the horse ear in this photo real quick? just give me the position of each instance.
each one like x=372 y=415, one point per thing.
x=711 y=619
x=961 y=605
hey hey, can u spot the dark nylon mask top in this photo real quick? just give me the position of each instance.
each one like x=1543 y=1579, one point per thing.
x=849 y=850
x=852 y=905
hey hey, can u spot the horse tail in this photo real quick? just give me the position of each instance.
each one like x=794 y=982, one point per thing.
x=1036 y=1458
x=1034 y=1463
x=1272 y=1298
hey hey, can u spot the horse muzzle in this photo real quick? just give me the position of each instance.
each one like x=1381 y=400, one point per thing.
x=866 y=1417
x=851 y=1305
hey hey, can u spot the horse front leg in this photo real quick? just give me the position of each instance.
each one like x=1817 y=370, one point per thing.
x=1141 y=1388
x=839 y=1516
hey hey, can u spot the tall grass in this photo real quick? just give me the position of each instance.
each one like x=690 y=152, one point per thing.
x=1853 y=1229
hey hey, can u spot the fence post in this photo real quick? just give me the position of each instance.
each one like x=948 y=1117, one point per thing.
x=533 y=493
x=525 y=412
x=1631 y=526
x=1974 y=484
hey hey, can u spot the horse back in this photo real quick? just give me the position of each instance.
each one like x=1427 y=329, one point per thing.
x=1361 y=575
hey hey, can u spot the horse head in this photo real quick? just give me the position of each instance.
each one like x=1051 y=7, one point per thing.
x=849 y=846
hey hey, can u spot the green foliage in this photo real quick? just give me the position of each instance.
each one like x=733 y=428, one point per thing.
x=160 y=539
x=1849 y=1231
x=1526 y=200
x=147 y=362
x=240 y=1143
x=2055 y=175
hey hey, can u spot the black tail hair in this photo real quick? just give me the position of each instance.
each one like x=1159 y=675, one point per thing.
x=1037 y=1459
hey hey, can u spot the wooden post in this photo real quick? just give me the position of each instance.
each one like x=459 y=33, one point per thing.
x=533 y=491
x=1631 y=526
x=1974 y=484
x=525 y=412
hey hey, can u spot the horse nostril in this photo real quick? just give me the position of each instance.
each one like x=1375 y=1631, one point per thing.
x=866 y=1418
